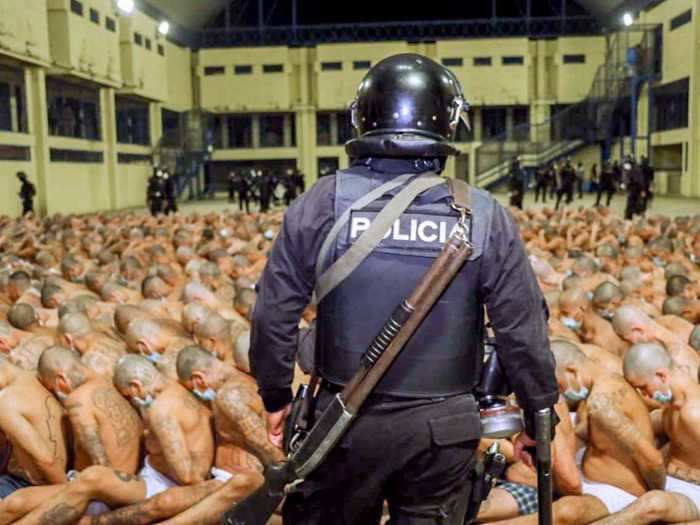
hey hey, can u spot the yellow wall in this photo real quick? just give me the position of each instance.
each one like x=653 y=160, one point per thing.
x=179 y=64
x=81 y=47
x=45 y=38
x=336 y=89
x=144 y=69
x=24 y=30
x=252 y=92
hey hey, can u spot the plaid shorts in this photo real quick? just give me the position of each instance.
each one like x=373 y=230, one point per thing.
x=524 y=495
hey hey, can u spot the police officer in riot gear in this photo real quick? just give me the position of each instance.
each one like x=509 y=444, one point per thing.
x=155 y=192
x=26 y=193
x=413 y=443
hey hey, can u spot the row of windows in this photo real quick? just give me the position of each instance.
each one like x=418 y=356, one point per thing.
x=338 y=66
x=77 y=8
x=514 y=60
x=243 y=69
x=139 y=40
x=507 y=60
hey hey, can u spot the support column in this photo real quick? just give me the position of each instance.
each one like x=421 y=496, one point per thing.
x=224 y=131
x=509 y=123
x=306 y=143
x=155 y=122
x=287 y=131
x=37 y=118
x=109 y=127
x=476 y=123
x=690 y=179
x=255 y=130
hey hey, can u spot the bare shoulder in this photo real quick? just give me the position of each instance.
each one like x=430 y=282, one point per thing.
x=690 y=413
x=608 y=395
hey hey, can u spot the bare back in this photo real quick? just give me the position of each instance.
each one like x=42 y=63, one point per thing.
x=34 y=423
x=618 y=425
x=181 y=441
x=108 y=430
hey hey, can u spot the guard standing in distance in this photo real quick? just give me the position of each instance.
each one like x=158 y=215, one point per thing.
x=413 y=443
x=606 y=184
x=154 y=192
x=26 y=193
x=648 y=173
x=169 y=192
x=290 y=188
x=516 y=184
x=265 y=188
x=636 y=185
x=567 y=181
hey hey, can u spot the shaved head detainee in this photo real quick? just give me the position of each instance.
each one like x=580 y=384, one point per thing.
x=414 y=442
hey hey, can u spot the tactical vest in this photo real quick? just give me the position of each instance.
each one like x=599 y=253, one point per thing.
x=444 y=356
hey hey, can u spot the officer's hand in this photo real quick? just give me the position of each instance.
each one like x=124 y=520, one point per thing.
x=521 y=443
x=275 y=425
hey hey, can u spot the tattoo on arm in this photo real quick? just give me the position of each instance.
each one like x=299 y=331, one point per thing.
x=61 y=514
x=89 y=439
x=251 y=427
x=173 y=445
x=690 y=475
x=606 y=412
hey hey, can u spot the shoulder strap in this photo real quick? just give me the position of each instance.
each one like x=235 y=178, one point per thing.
x=461 y=194
x=360 y=203
x=368 y=241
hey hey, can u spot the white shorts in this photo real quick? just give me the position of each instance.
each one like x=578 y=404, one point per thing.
x=154 y=480
x=220 y=474
x=614 y=499
x=686 y=488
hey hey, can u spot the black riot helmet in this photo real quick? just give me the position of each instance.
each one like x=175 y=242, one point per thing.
x=407 y=105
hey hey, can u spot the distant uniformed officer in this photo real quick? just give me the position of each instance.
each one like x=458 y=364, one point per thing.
x=414 y=441
x=155 y=192
x=26 y=193
x=516 y=184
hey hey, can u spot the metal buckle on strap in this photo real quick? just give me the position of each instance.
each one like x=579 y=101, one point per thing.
x=463 y=228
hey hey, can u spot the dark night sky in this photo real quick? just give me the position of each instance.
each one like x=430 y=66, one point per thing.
x=330 y=11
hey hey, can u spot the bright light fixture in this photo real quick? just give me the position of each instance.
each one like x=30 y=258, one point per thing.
x=164 y=27
x=126 y=6
x=627 y=19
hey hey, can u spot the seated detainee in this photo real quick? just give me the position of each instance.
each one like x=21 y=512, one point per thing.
x=33 y=423
x=25 y=317
x=107 y=430
x=157 y=342
x=509 y=499
x=578 y=315
x=180 y=450
x=621 y=461
x=22 y=348
x=650 y=369
x=213 y=334
x=634 y=326
x=99 y=351
x=607 y=298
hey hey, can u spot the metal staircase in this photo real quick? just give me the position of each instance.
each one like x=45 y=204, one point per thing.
x=183 y=151
x=608 y=112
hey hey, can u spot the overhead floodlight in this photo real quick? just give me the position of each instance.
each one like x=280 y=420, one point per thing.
x=627 y=19
x=126 y=6
x=164 y=27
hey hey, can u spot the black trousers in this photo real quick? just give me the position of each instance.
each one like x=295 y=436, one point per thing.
x=634 y=204
x=243 y=200
x=541 y=188
x=416 y=455
x=609 y=191
x=27 y=207
x=516 y=199
x=568 y=191
x=156 y=206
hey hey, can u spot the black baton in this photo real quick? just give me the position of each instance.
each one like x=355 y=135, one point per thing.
x=543 y=420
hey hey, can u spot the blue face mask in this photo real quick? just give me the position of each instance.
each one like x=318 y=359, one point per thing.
x=153 y=357
x=606 y=314
x=658 y=261
x=576 y=395
x=208 y=395
x=571 y=324
x=662 y=398
x=144 y=403
x=268 y=235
